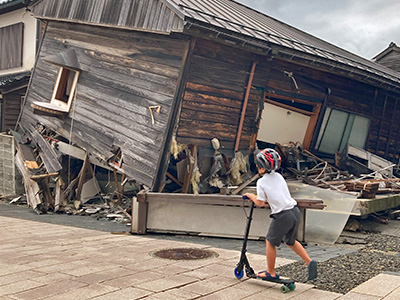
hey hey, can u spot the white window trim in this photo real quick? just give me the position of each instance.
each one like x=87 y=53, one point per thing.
x=61 y=104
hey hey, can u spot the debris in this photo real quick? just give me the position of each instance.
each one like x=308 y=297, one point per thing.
x=379 y=219
x=15 y=200
x=237 y=168
x=352 y=225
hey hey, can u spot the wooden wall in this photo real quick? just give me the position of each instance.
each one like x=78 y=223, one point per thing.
x=11 y=108
x=384 y=135
x=381 y=107
x=123 y=73
x=391 y=60
x=214 y=94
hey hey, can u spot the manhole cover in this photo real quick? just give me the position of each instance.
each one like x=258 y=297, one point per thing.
x=184 y=254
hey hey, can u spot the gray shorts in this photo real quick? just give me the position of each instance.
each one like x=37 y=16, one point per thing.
x=284 y=226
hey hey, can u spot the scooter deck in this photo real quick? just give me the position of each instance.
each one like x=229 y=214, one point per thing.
x=279 y=280
x=287 y=284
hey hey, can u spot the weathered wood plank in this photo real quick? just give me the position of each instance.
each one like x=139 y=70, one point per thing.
x=224 y=92
x=31 y=187
x=216 y=199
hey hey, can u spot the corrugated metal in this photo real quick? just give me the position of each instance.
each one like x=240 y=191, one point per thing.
x=245 y=21
x=150 y=15
x=227 y=15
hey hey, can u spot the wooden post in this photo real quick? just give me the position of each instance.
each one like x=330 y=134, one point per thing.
x=244 y=108
x=83 y=176
x=117 y=186
x=311 y=126
x=139 y=213
x=189 y=170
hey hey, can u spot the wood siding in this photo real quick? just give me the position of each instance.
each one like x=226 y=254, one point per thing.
x=213 y=98
x=391 y=60
x=384 y=135
x=346 y=94
x=123 y=73
x=150 y=15
x=11 y=108
x=11 y=45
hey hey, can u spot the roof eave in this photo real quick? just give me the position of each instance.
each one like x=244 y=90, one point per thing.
x=286 y=53
x=11 y=6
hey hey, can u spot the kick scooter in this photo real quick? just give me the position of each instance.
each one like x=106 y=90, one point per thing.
x=244 y=265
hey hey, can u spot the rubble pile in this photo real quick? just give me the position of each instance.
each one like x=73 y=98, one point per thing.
x=62 y=178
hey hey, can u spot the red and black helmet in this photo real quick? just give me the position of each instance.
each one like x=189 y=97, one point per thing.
x=268 y=159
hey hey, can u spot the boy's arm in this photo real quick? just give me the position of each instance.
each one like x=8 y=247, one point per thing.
x=253 y=198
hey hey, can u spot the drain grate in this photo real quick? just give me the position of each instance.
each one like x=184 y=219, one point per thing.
x=184 y=253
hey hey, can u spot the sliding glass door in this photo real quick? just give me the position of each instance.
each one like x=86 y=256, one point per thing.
x=340 y=128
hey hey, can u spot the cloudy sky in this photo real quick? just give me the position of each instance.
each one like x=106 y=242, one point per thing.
x=364 y=27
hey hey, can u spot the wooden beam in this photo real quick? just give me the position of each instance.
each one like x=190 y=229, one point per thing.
x=174 y=179
x=216 y=199
x=43 y=176
x=244 y=108
x=82 y=177
x=31 y=187
x=245 y=184
x=189 y=170
x=311 y=126
x=173 y=117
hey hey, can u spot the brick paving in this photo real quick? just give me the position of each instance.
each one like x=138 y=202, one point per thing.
x=49 y=261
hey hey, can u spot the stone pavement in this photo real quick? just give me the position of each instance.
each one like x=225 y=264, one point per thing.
x=50 y=261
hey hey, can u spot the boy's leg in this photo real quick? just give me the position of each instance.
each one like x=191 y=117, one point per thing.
x=311 y=264
x=300 y=251
x=271 y=258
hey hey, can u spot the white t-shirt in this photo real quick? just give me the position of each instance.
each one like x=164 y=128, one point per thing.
x=272 y=187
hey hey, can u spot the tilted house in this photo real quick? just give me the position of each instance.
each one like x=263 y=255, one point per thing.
x=129 y=76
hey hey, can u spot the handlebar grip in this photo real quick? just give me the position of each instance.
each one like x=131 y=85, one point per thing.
x=244 y=197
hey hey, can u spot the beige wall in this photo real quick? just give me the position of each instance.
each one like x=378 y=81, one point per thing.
x=280 y=125
x=29 y=38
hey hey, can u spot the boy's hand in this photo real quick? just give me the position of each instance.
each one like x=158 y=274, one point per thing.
x=249 y=196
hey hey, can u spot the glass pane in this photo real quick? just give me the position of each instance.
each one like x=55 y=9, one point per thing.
x=359 y=132
x=347 y=132
x=333 y=132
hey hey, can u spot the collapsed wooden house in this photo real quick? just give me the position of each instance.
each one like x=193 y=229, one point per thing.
x=125 y=79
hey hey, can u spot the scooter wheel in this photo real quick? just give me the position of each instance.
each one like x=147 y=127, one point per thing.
x=239 y=275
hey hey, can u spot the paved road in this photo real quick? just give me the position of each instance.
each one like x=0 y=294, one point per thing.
x=41 y=258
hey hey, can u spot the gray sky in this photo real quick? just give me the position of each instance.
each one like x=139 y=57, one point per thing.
x=364 y=27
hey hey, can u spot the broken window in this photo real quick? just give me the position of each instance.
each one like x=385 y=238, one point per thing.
x=340 y=128
x=65 y=84
x=64 y=88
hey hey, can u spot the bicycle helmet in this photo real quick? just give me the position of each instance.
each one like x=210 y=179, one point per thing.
x=268 y=159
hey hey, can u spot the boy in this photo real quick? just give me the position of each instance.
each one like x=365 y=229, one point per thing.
x=272 y=187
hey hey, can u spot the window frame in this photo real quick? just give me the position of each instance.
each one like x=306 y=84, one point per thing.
x=345 y=133
x=65 y=85
x=61 y=86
